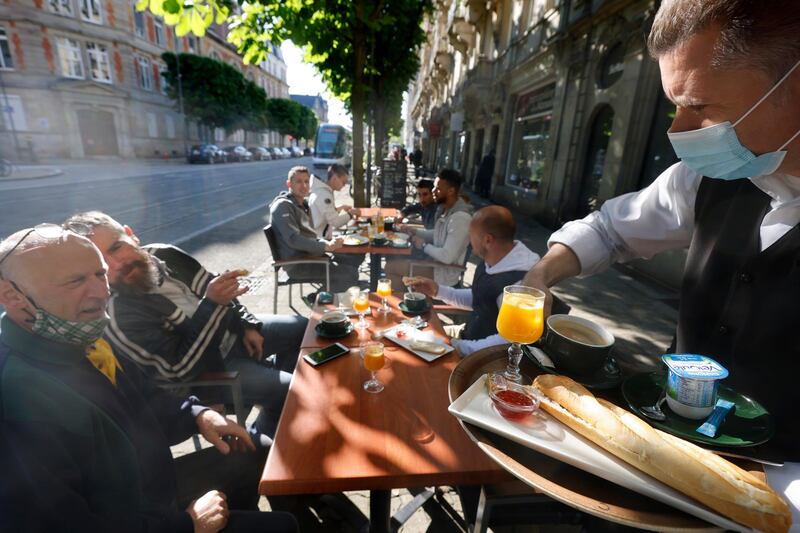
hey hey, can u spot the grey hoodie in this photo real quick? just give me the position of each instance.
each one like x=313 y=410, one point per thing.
x=292 y=226
x=448 y=241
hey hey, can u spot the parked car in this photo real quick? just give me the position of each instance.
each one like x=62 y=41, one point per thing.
x=286 y=153
x=207 y=153
x=260 y=153
x=308 y=151
x=279 y=153
x=238 y=153
x=296 y=152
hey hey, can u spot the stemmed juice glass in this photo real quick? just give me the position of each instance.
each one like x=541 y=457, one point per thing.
x=374 y=360
x=520 y=321
x=361 y=306
x=384 y=291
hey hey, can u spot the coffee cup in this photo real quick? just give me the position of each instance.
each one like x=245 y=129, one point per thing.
x=577 y=345
x=415 y=301
x=380 y=239
x=333 y=322
x=388 y=223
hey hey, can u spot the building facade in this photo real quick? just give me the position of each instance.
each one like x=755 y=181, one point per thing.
x=564 y=93
x=83 y=78
x=317 y=104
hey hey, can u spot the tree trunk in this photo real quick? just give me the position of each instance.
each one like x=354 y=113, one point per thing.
x=357 y=106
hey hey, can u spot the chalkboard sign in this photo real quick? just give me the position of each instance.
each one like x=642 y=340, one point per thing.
x=392 y=188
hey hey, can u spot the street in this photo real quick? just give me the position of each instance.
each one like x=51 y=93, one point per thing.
x=170 y=202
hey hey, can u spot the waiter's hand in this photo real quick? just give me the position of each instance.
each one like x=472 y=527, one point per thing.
x=559 y=263
x=253 y=343
x=217 y=429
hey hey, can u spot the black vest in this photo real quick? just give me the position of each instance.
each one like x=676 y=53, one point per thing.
x=485 y=290
x=739 y=304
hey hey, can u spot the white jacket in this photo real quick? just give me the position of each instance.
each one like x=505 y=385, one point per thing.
x=324 y=215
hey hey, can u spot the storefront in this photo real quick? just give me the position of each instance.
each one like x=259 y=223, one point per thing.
x=530 y=137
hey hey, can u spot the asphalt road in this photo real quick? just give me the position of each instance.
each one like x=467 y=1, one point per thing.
x=169 y=203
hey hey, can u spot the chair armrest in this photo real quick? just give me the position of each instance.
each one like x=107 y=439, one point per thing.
x=451 y=310
x=303 y=260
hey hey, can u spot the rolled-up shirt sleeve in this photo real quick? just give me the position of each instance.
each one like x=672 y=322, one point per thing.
x=640 y=224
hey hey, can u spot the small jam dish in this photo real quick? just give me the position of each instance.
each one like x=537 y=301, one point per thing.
x=511 y=400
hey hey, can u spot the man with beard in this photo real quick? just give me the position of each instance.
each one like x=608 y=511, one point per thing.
x=176 y=320
x=505 y=261
x=84 y=439
x=447 y=242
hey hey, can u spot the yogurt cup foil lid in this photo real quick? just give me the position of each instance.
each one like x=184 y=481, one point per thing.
x=694 y=366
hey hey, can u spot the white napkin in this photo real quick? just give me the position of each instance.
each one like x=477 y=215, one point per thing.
x=542 y=357
x=786 y=482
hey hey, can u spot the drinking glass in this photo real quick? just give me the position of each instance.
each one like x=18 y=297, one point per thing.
x=361 y=306
x=384 y=291
x=520 y=321
x=374 y=360
x=379 y=225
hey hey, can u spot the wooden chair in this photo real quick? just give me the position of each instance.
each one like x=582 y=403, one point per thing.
x=278 y=263
x=229 y=380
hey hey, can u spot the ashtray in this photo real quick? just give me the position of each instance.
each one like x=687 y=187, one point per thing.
x=511 y=400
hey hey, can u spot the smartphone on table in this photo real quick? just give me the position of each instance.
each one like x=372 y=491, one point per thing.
x=323 y=355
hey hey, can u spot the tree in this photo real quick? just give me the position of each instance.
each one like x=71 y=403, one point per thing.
x=339 y=38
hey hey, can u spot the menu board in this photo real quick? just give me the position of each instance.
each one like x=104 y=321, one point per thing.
x=392 y=186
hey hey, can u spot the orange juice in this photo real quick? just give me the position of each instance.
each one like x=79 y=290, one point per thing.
x=374 y=358
x=361 y=304
x=384 y=288
x=521 y=318
x=379 y=224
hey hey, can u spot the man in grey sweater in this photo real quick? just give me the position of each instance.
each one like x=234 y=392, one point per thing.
x=448 y=240
x=295 y=235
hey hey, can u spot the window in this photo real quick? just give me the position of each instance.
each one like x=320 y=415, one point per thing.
x=145 y=73
x=90 y=11
x=6 y=62
x=214 y=55
x=192 y=40
x=530 y=138
x=170 y=123
x=177 y=43
x=99 y=65
x=138 y=19
x=11 y=111
x=62 y=7
x=152 y=125
x=164 y=85
x=69 y=55
x=159 y=27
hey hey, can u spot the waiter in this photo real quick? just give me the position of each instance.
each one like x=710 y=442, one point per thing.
x=731 y=69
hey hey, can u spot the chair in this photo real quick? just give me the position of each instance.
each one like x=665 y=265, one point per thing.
x=278 y=263
x=428 y=263
x=228 y=380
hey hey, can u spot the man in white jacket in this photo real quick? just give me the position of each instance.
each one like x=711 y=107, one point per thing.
x=325 y=216
x=505 y=261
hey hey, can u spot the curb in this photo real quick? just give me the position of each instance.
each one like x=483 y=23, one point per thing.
x=32 y=173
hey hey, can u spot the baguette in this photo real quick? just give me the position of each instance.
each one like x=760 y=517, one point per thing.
x=706 y=477
x=428 y=347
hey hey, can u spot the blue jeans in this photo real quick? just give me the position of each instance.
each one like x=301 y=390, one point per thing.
x=266 y=382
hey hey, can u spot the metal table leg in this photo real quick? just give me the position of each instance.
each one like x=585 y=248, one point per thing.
x=379 y=511
x=374 y=271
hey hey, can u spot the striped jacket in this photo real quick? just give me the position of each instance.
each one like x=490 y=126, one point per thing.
x=159 y=337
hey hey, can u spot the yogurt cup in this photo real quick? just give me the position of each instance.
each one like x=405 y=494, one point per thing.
x=692 y=384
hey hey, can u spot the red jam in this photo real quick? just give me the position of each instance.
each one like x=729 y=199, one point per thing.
x=513 y=405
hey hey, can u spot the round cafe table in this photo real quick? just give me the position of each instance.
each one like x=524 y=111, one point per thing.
x=560 y=481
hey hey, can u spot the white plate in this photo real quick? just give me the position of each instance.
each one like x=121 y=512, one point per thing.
x=545 y=434
x=355 y=240
x=412 y=335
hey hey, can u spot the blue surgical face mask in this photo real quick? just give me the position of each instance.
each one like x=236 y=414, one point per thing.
x=716 y=151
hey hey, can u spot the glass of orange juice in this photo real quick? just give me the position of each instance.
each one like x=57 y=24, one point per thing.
x=374 y=359
x=384 y=291
x=361 y=306
x=520 y=321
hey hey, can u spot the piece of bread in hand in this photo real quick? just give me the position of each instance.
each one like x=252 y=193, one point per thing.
x=428 y=347
x=411 y=280
x=241 y=272
x=699 y=473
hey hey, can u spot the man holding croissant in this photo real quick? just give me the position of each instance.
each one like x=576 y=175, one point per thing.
x=732 y=69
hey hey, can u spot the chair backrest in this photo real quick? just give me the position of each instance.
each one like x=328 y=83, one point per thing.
x=269 y=233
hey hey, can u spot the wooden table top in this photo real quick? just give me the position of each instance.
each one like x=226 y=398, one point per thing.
x=333 y=436
x=565 y=483
x=369 y=248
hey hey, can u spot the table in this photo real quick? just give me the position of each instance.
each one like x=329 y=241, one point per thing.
x=376 y=253
x=333 y=436
x=560 y=481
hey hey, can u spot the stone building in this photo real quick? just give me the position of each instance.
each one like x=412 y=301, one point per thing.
x=564 y=92
x=82 y=78
x=317 y=104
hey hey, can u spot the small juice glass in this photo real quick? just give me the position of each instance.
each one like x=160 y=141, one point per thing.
x=374 y=360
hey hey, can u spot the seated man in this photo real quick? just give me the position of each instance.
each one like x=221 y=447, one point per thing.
x=174 y=319
x=289 y=216
x=425 y=207
x=325 y=216
x=447 y=242
x=85 y=441
x=504 y=262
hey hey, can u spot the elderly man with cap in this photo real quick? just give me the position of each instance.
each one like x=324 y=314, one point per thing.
x=90 y=436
